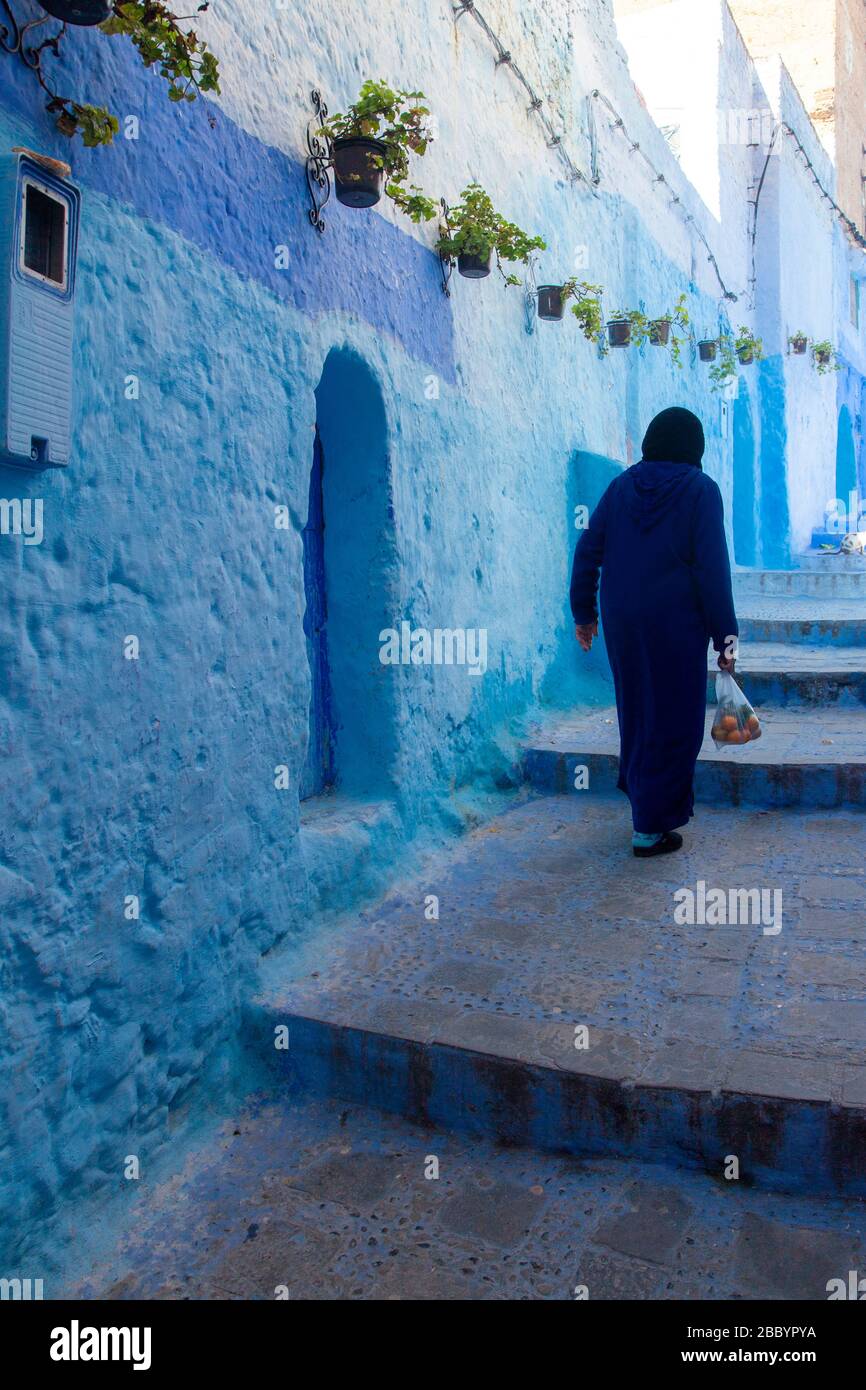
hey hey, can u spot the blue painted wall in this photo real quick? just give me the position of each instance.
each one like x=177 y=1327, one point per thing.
x=455 y=446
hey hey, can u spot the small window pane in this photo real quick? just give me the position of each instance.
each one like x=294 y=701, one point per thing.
x=44 y=235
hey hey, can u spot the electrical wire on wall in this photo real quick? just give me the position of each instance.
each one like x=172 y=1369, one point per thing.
x=504 y=58
x=555 y=140
x=662 y=180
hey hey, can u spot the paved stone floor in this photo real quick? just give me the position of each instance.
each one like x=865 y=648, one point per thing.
x=322 y=1201
x=546 y=918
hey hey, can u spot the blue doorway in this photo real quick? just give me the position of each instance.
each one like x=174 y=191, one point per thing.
x=318 y=772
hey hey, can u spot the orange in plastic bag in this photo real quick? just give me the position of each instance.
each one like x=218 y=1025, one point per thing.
x=734 y=722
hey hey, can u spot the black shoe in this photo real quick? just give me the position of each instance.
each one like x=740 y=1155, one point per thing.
x=666 y=845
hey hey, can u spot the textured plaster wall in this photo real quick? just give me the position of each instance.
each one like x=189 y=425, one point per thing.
x=155 y=777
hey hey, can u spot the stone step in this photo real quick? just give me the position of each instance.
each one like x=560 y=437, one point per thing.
x=825 y=622
x=823 y=582
x=558 y=1002
x=780 y=673
x=805 y=757
x=830 y=562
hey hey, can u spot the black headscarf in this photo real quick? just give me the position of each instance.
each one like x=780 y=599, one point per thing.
x=674 y=436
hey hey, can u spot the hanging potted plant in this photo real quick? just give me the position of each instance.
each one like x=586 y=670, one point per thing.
x=660 y=330
x=474 y=234
x=83 y=12
x=798 y=342
x=748 y=348
x=371 y=143
x=723 y=373
x=626 y=327
x=823 y=357
x=707 y=349
x=552 y=301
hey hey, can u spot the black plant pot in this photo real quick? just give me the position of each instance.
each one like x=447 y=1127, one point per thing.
x=358 y=171
x=746 y=356
x=660 y=332
x=799 y=345
x=822 y=357
x=619 y=332
x=472 y=266
x=85 y=12
x=550 y=305
x=707 y=350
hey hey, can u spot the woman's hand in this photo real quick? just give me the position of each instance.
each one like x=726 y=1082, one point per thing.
x=584 y=632
x=727 y=663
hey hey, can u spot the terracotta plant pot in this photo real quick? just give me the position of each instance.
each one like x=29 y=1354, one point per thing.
x=84 y=12
x=707 y=350
x=746 y=356
x=550 y=305
x=358 y=171
x=799 y=345
x=474 y=267
x=660 y=332
x=619 y=332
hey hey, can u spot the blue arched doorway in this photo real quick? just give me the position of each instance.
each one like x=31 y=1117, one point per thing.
x=349 y=567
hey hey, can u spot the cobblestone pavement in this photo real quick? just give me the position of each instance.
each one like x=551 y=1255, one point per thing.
x=319 y=1201
x=545 y=917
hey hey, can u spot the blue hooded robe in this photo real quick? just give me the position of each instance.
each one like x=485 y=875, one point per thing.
x=658 y=537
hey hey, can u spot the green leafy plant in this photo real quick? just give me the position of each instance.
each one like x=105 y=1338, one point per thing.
x=681 y=319
x=797 y=341
x=640 y=324
x=747 y=347
x=398 y=119
x=824 y=357
x=183 y=60
x=95 y=124
x=586 y=307
x=474 y=228
x=724 y=369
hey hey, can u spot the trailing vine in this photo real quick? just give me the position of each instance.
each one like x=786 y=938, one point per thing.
x=183 y=59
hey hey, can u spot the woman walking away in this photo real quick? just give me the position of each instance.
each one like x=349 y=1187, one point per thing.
x=658 y=537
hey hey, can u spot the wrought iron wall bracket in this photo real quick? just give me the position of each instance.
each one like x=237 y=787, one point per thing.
x=446 y=264
x=319 y=161
x=530 y=297
x=13 y=39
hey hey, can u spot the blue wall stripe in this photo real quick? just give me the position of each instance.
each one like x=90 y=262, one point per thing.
x=237 y=198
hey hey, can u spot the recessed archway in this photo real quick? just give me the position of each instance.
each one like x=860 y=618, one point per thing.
x=349 y=582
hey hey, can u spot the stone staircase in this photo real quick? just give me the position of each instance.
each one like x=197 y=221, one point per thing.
x=554 y=1000
x=802 y=664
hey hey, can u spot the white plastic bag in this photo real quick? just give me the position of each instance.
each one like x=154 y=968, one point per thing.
x=734 y=721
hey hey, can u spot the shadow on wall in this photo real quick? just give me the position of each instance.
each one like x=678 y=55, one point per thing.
x=743 y=520
x=354 y=716
x=575 y=677
x=775 y=519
